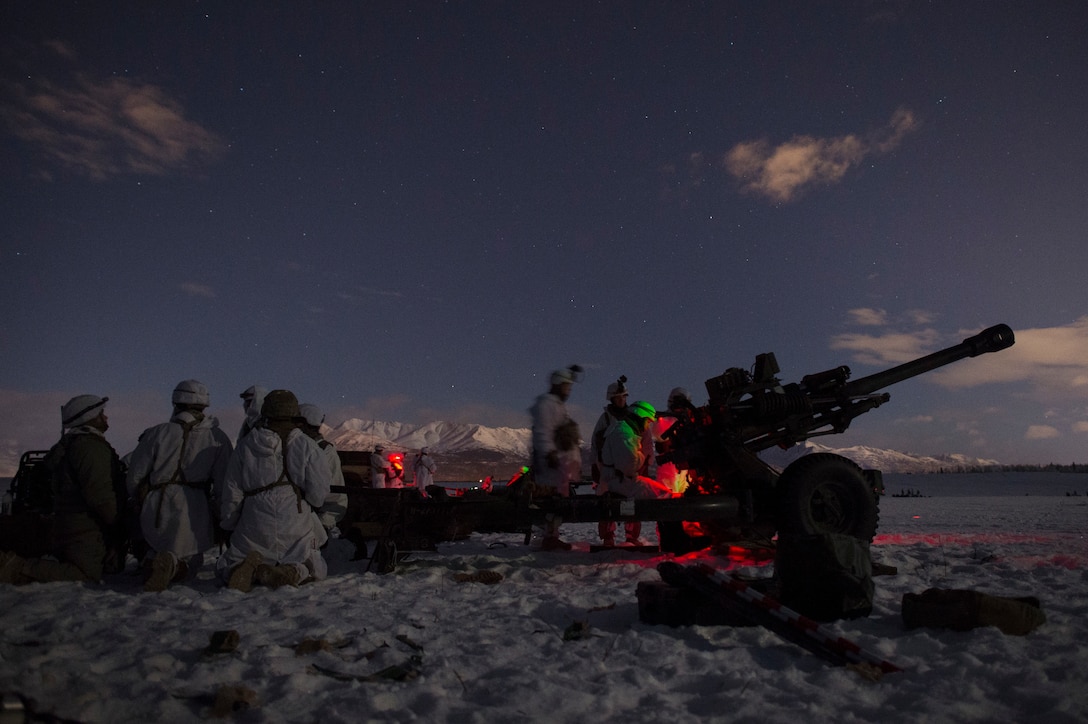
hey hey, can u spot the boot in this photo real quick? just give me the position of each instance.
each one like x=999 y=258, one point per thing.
x=551 y=540
x=163 y=569
x=241 y=578
x=11 y=567
x=276 y=576
x=606 y=529
x=182 y=572
x=554 y=544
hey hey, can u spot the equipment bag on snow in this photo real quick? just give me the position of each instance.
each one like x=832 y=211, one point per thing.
x=962 y=610
x=825 y=577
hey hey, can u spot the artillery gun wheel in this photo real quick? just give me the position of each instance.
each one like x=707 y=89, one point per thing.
x=826 y=493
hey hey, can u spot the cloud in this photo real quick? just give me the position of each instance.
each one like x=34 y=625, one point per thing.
x=1041 y=432
x=1046 y=370
x=868 y=317
x=1052 y=360
x=916 y=420
x=374 y=291
x=920 y=316
x=886 y=350
x=105 y=127
x=195 y=289
x=61 y=48
x=782 y=172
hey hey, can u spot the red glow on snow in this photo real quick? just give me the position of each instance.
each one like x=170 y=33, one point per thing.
x=748 y=556
x=693 y=528
x=1019 y=550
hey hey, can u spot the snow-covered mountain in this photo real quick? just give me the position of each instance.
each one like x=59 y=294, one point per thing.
x=465 y=452
x=888 y=461
x=461 y=451
x=438 y=437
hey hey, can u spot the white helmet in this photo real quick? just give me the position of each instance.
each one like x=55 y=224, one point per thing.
x=313 y=414
x=81 y=409
x=190 y=392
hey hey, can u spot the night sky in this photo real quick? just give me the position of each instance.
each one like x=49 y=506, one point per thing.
x=415 y=211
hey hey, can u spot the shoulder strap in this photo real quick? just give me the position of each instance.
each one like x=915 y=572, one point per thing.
x=284 y=478
x=179 y=474
x=178 y=478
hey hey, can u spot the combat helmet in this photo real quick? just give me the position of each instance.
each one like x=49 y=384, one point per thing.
x=280 y=405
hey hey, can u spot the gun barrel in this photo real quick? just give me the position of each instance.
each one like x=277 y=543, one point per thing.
x=993 y=339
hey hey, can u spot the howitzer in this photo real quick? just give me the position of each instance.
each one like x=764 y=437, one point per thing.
x=752 y=411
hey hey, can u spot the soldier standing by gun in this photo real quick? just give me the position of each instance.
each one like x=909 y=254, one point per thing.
x=423 y=470
x=381 y=470
x=88 y=502
x=556 y=456
x=624 y=462
x=679 y=407
x=616 y=409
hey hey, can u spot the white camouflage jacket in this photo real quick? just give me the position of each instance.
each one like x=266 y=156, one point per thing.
x=264 y=513
x=177 y=516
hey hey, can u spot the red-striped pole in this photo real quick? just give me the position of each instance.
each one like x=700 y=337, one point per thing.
x=822 y=635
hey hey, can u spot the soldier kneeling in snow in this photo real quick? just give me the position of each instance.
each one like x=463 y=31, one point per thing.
x=172 y=474
x=88 y=486
x=276 y=477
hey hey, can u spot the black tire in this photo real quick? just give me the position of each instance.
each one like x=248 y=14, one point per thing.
x=825 y=493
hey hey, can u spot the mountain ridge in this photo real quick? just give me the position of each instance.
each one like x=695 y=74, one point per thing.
x=466 y=451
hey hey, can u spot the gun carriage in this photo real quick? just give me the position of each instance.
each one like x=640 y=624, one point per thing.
x=732 y=493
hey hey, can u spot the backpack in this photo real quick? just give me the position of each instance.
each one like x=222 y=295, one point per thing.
x=32 y=487
x=825 y=577
x=567 y=436
x=28 y=529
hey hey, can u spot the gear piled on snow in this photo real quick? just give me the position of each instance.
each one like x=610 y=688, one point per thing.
x=488 y=577
x=738 y=599
x=222 y=642
x=232 y=699
x=577 y=631
x=963 y=610
x=825 y=577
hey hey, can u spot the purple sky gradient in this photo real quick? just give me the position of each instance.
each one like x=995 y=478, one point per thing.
x=415 y=211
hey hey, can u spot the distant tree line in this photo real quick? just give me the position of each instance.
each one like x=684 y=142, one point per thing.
x=1048 y=468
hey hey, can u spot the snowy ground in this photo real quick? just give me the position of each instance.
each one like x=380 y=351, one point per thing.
x=471 y=652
